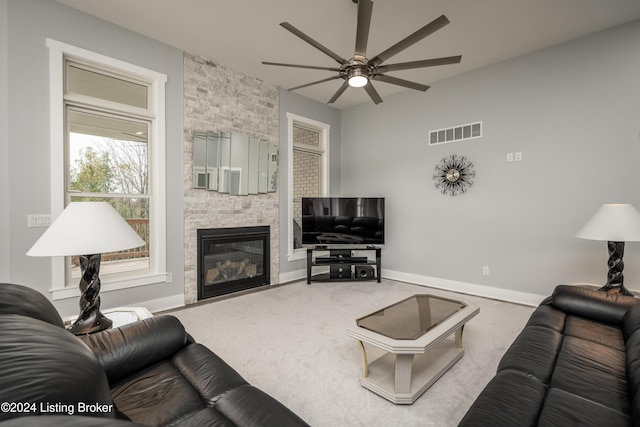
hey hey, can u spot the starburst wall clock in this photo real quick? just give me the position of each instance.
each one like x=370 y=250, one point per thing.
x=454 y=175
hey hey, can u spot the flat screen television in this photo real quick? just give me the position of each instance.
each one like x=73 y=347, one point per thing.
x=343 y=220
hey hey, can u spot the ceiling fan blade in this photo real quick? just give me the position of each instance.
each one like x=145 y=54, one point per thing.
x=315 y=83
x=423 y=32
x=420 y=64
x=313 y=43
x=372 y=93
x=365 y=7
x=336 y=95
x=400 y=82
x=311 y=67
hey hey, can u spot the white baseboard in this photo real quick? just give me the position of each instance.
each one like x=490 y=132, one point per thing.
x=444 y=284
x=518 y=297
x=161 y=304
x=466 y=288
x=293 y=276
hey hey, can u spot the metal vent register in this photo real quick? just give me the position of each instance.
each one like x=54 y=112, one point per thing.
x=456 y=133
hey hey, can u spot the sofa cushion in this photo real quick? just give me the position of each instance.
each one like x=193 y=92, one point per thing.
x=44 y=364
x=533 y=353
x=265 y=410
x=565 y=409
x=592 y=372
x=600 y=333
x=157 y=395
x=547 y=316
x=203 y=391
x=211 y=376
x=518 y=397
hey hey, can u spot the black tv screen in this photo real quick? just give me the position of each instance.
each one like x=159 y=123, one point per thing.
x=343 y=220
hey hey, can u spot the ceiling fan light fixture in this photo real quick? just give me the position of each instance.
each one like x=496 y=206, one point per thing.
x=359 y=70
x=357 y=78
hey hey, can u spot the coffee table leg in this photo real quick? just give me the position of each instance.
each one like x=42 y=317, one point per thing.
x=365 y=368
x=459 y=336
x=403 y=373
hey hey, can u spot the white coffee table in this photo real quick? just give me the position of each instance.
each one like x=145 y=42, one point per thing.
x=422 y=336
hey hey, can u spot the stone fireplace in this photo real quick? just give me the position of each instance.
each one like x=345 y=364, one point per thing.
x=219 y=99
x=232 y=259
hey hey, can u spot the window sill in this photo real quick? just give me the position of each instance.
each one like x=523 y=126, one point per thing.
x=74 y=291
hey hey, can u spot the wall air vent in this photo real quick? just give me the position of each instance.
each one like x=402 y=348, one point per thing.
x=456 y=133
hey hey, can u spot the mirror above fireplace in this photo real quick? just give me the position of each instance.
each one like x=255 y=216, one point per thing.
x=234 y=163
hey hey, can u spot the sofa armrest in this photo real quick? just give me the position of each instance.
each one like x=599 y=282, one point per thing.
x=132 y=347
x=592 y=304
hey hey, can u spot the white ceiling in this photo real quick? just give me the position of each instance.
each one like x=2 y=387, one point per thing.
x=240 y=34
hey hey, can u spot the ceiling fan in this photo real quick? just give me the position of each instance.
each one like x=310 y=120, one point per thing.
x=359 y=71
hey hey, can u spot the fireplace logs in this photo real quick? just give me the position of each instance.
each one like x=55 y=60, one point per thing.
x=232 y=259
x=229 y=270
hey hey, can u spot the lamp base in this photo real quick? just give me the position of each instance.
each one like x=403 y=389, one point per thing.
x=616 y=290
x=90 y=319
x=98 y=322
x=615 y=277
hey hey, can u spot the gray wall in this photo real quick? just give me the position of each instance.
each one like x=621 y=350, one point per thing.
x=27 y=138
x=5 y=264
x=293 y=103
x=573 y=111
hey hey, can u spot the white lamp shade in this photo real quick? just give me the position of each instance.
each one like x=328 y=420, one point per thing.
x=613 y=223
x=86 y=228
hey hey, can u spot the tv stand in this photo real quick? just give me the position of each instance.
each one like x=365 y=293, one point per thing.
x=343 y=264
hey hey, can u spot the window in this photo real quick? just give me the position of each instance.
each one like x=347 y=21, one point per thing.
x=308 y=172
x=107 y=126
x=107 y=160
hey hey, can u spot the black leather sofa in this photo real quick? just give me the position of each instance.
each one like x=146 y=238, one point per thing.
x=576 y=363
x=149 y=372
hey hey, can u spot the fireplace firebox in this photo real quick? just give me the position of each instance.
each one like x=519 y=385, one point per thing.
x=232 y=260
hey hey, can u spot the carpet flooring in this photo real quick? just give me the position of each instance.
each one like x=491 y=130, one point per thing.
x=290 y=341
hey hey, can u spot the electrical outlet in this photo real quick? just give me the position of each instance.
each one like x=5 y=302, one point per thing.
x=485 y=270
x=38 y=220
x=518 y=156
x=509 y=157
x=169 y=277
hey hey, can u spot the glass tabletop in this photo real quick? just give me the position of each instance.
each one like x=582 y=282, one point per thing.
x=411 y=318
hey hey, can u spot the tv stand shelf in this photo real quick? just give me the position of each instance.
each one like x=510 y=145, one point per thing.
x=343 y=264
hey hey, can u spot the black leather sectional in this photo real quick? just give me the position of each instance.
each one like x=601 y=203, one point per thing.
x=149 y=372
x=576 y=363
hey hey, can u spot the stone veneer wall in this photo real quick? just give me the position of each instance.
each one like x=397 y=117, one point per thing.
x=220 y=99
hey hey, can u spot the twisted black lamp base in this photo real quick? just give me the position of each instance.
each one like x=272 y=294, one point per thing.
x=615 y=277
x=90 y=319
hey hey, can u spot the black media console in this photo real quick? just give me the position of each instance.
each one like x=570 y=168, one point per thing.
x=343 y=264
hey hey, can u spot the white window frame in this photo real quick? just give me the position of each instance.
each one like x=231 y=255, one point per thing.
x=325 y=132
x=58 y=51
